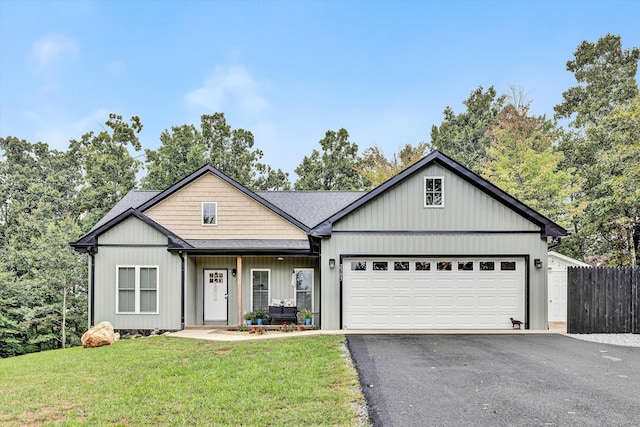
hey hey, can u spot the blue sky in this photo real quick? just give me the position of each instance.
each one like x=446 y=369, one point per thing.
x=286 y=70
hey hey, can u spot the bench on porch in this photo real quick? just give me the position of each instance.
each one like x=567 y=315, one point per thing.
x=283 y=313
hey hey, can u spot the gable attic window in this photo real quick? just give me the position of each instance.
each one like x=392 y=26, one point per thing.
x=433 y=192
x=209 y=213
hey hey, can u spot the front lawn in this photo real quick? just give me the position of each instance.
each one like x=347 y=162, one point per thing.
x=170 y=381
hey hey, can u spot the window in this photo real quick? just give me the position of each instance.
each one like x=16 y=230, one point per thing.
x=380 y=266
x=487 y=265
x=304 y=288
x=260 y=280
x=401 y=266
x=358 y=266
x=209 y=213
x=137 y=289
x=444 y=266
x=423 y=266
x=465 y=265
x=433 y=192
x=508 y=265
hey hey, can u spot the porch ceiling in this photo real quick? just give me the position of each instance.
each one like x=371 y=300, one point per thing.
x=249 y=246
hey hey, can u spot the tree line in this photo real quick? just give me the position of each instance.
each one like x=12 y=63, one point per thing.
x=584 y=174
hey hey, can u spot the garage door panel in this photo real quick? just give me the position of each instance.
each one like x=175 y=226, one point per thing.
x=444 y=284
x=466 y=284
x=466 y=302
x=468 y=296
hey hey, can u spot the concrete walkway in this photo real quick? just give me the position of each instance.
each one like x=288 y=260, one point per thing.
x=223 y=335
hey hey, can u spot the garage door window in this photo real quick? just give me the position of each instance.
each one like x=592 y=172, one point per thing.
x=444 y=266
x=380 y=266
x=465 y=266
x=359 y=266
x=423 y=266
x=401 y=266
x=487 y=265
x=508 y=266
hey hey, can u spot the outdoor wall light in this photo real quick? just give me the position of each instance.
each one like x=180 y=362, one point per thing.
x=332 y=263
x=537 y=263
x=234 y=272
x=280 y=258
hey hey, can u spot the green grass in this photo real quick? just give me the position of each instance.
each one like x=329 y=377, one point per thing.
x=170 y=381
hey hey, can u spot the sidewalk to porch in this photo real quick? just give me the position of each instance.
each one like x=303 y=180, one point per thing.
x=224 y=334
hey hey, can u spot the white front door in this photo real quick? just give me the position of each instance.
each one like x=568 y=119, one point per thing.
x=215 y=295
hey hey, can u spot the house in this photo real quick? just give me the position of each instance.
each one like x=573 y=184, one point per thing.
x=557 y=278
x=435 y=247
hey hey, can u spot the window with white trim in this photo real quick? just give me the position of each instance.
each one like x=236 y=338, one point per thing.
x=260 y=283
x=137 y=289
x=433 y=192
x=304 y=288
x=209 y=213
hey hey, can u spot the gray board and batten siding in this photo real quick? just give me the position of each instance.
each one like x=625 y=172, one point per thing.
x=471 y=223
x=134 y=243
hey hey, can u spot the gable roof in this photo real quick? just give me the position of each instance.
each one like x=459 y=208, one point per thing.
x=210 y=169
x=548 y=227
x=132 y=199
x=91 y=239
x=563 y=259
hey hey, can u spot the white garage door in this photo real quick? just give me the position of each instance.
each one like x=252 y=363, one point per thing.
x=432 y=293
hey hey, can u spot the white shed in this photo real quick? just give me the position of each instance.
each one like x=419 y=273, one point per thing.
x=557 y=269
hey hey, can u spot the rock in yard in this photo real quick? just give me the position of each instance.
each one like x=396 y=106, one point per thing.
x=99 y=335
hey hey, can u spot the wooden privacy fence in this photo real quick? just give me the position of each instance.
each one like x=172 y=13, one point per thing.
x=603 y=300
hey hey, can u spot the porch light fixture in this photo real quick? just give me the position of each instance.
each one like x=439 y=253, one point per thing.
x=537 y=263
x=332 y=263
x=234 y=272
x=280 y=258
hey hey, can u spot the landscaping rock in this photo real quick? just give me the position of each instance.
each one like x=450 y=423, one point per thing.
x=99 y=335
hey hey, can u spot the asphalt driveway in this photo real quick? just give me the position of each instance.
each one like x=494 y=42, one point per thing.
x=497 y=380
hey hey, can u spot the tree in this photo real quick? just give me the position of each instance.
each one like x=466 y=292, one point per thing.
x=524 y=163
x=376 y=168
x=612 y=217
x=601 y=106
x=181 y=152
x=108 y=166
x=230 y=151
x=335 y=169
x=40 y=199
x=606 y=77
x=464 y=137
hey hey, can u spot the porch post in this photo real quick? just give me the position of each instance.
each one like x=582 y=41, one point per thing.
x=239 y=276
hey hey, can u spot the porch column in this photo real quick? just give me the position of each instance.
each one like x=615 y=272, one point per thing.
x=239 y=276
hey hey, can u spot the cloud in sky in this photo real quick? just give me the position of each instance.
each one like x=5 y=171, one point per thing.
x=230 y=87
x=48 y=50
x=59 y=131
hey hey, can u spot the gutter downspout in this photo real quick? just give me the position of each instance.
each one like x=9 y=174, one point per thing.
x=182 y=291
x=92 y=254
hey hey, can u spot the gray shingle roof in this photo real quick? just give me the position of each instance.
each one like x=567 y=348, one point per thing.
x=132 y=199
x=308 y=207
x=311 y=207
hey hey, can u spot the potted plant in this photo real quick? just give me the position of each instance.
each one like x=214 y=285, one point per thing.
x=307 y=315
x=261 y=314
x=250 y=317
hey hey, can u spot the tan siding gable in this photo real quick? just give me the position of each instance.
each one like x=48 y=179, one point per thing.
x=239 y=216
x=466 y=208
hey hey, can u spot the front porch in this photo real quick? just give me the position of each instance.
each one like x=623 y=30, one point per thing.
x=219 y=289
